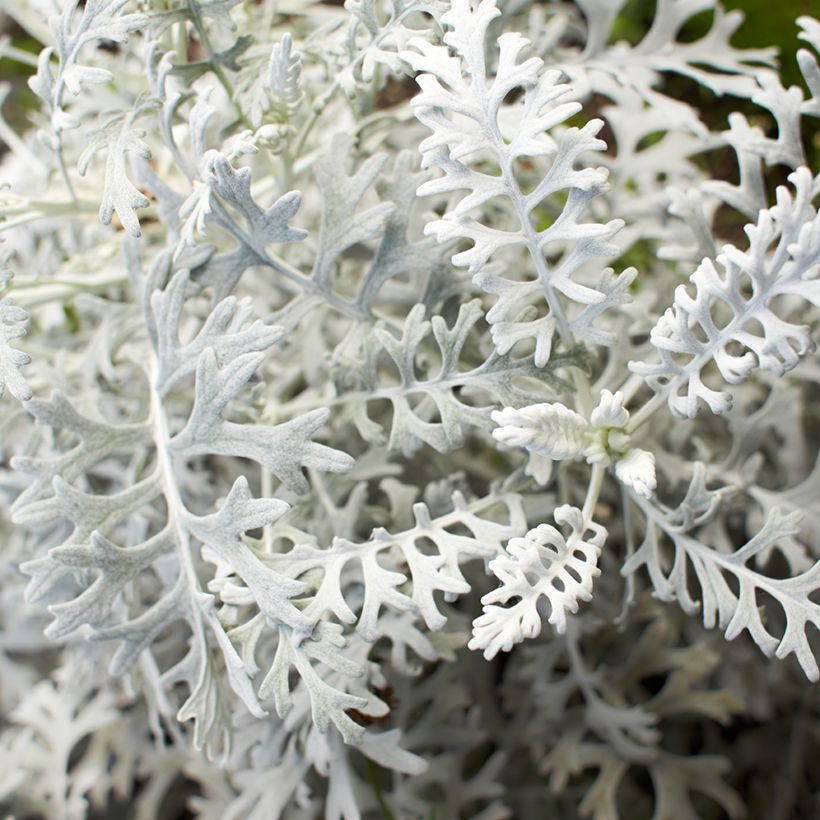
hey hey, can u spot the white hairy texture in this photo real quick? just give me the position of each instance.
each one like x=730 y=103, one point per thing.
x=553 y=431
x=462 y=103
x=610 y=411
x=637 y=470
x=549 y=430
x=544 y=563
x=783 y=259
x=250 y=499
x=12 y=326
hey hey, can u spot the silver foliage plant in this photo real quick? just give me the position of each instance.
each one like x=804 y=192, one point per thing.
x=278 y=470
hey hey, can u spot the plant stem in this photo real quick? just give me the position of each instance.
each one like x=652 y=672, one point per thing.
x=372 y=779
x=593 y=492
x=646 y=412
x=629 y=535
x=18 y=55
x=202 y=33
x=63 y=170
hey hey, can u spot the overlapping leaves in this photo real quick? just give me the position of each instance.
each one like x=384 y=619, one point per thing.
x=221 y=359
x=439 y=409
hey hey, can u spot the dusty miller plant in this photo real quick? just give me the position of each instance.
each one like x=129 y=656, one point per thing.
x=410 y=412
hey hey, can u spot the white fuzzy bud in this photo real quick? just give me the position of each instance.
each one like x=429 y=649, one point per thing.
x=610 y=411
x=637 y=470
x=549 y=430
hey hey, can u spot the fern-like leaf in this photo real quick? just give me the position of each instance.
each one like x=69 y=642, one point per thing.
x=282 y=80
x=783 y=258
x=544 y=563
x=89 y=562
x=72 y=30
x=496 y=378
x=118 y=137
x=549 y=430
x=722 y=606
x=12 y=326
x=460 y=102
x=385 y=578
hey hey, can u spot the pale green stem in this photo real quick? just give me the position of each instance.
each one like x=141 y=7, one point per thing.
x=63 y=170
x=593 y=492
x=373 y=780
x=632 y=384
x=202 y=33
x=170 y=488
x=18 y=55
x=43 y=210
x=267 y=530
x=62 y=291
x=629 y=535
x=322 y=494
x=646 y=412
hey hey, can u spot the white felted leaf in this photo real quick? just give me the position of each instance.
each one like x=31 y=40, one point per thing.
x=376 y=35
x=544 y=563
x=385 y=579
x=808 y=63
x=118 y=137
x=282 y=80
x=550 y=430
x=441 y=389
x=722 y=606
x=96 y=572
x=12 y=326
x=98 y=20
x=783 y=258
x=460 y=102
